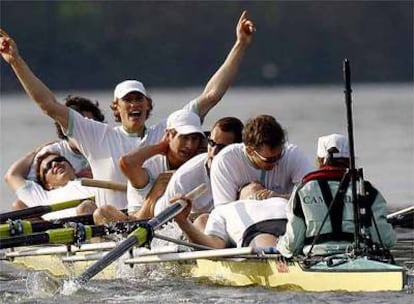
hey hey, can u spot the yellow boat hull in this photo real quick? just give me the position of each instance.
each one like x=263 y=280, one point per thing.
x=291 y=276
x=273 y=271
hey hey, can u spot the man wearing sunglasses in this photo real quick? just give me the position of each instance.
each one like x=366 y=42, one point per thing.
x=56 y=182
x=196 y=171
x=264 y=157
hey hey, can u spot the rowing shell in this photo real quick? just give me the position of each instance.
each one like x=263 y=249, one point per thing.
x=228 y=267
x=356 y=275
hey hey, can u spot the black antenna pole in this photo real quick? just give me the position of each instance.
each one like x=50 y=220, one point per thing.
x=352 y=170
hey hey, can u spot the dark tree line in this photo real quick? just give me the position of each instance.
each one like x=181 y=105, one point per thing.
x=95 y=44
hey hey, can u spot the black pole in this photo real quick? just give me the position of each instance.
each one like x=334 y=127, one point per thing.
x=353 y=171
x=24 y=213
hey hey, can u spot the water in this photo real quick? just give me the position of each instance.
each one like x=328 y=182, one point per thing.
x=384 y=143
x=383 y=125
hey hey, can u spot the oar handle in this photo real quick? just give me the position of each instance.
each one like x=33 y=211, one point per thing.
x=89 y=182
x=176 y=207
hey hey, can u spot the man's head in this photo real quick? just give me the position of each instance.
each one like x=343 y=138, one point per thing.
x=333 y=150
x=225 y=131
x=85 y=107
x=248 y=191
x=184 y=135
x=264 y=139
x=53 y=171
x=131 y=105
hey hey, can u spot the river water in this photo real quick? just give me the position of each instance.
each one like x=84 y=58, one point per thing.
x=384 y=144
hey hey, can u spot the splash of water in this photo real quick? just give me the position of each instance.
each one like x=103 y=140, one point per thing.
x=41 y=284
x=69 y=287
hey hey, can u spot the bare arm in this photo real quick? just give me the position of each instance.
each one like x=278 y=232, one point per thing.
x=33 y=86
x=225 y=75
x=17 y=173
x=131 y=163
x=194 y=234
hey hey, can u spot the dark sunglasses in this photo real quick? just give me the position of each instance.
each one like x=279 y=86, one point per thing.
x=48 y=166
x=269 y=160
x=213 y=144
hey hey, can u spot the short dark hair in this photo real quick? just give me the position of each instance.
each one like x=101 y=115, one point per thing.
x=230 y=124
x=263 y=130
x=81 y=104
x=41 y=180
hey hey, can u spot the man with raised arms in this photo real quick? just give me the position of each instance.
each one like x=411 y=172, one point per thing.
x=103 y=145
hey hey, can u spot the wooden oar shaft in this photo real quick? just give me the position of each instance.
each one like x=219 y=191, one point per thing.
x=89 y=182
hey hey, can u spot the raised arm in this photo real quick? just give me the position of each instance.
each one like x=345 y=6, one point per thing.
x=193 y=233
x=16 y=175
x=33 y=86
x=225 y=75
x=131 y=164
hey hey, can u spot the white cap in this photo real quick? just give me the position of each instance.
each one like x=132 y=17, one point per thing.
x=129 y=86
x=184 y=122
x=334 y=140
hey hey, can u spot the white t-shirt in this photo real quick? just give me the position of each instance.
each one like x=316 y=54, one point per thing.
x=231 y=169
x=230 y=221
x=103 y=146
x=78 y=161
x=190 y=175
x=32 y=194
x=154 y=167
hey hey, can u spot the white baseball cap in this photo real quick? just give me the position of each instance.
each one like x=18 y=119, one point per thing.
x=337 y=141
x=129 y=86
x=184 y=122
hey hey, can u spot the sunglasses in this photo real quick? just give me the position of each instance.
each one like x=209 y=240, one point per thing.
x=49 y=164
x=269 y=160
x=213 y=144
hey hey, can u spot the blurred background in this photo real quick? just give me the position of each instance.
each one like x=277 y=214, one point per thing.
x=95 y=44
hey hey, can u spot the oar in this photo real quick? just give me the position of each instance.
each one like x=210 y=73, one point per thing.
x=39 y=210
x=75 y=233
x=403 y=217
x=22 y=227
x=140 y=236
x=89 y=182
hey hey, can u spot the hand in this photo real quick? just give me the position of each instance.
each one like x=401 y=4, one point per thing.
x=182 y=217
x=245 y=29
x=249 y=191
x=8 y=48
x=164 y=143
